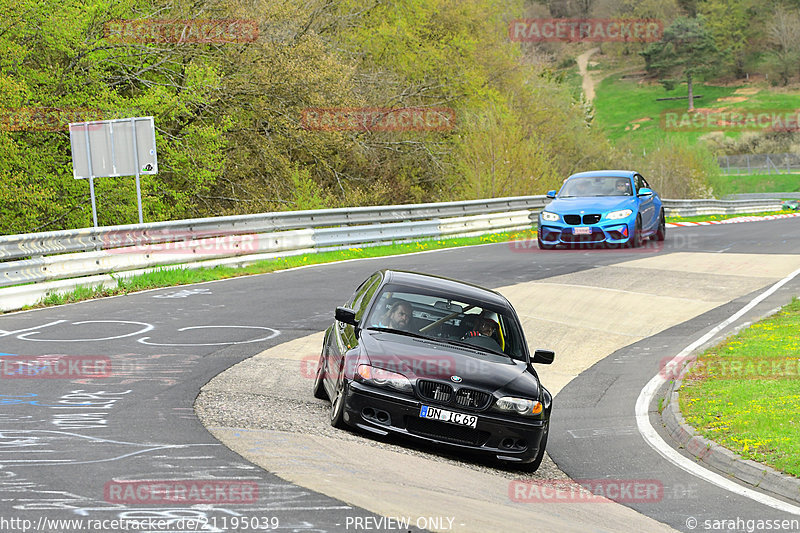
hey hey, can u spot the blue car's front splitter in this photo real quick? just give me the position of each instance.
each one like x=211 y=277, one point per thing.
x=610 y=233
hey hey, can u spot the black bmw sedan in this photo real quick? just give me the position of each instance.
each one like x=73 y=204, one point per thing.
x=436 y=360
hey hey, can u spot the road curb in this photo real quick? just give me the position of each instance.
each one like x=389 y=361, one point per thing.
x=735 y=220
x=728 y=462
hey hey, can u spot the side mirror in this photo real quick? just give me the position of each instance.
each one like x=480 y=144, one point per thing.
x=348 y=316
x=543 y=357
x=551 y=194
x=644 y=191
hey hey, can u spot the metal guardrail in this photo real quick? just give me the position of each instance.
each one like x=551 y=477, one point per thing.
x=762 y=196
x=89 y=251
x=61 y=255
x=689 y=208
x=90 y=239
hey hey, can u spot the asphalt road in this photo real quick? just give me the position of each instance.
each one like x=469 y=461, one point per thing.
x=69 y=448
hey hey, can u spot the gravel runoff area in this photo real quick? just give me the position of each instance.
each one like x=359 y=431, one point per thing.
x=265 y=393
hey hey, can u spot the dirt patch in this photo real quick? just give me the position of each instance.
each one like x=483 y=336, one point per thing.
x=643 y=119
x=747 y=91
x=588 y=83
x=733 y=99
x=708 y=110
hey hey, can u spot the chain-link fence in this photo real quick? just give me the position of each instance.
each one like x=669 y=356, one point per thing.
x=759 y=163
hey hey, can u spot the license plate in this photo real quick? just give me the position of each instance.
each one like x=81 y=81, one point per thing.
x=582 y=231
x=451 y=417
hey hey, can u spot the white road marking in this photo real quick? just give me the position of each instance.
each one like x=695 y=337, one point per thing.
x=185 y=293
x=274 y=334
x=655 y=441
x=146 y=327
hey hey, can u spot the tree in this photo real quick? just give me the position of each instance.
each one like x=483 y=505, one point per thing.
x=689 y=7
x=784 y=35
x=686 y=50
x=734 y=26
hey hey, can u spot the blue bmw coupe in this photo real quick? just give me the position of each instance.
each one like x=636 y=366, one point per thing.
x=615 y=207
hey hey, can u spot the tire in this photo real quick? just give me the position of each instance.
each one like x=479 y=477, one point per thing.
x=337 y=407
x=661 y=233
x=636 y=239
x=319 y=382
x=534 y=465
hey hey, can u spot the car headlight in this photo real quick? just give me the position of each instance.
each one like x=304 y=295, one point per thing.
x=520 y=406
x=549 y=217
x=383 y=378
x=616 y=215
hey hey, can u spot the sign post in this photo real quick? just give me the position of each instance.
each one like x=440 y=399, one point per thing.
x=91 y=176
x=113 y=148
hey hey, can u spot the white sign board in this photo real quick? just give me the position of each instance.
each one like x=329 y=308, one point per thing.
x=112 y=148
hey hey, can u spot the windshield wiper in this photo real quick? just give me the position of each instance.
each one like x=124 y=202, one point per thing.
x=398 y=332
x=480 y=349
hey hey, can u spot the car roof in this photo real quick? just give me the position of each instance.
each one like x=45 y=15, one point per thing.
x=449 y=286
x=605 y=174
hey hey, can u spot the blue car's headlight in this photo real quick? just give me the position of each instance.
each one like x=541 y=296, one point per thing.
x=616 y=215
x=549 y=217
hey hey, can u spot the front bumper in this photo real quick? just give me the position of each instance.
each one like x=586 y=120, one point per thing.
x=383 y=412
x=606 y=231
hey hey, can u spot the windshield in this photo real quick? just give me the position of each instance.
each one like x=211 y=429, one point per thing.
x=434 y=316
x=596 y=186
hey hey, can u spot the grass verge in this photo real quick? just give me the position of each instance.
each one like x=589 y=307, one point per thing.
x=745 y=183
x=169 y=277
x=744 y=394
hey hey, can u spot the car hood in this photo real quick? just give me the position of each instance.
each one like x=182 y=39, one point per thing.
x=594 y=204
x=429 y=359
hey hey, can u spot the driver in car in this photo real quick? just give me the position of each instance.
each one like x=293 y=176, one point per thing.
x=397 y=317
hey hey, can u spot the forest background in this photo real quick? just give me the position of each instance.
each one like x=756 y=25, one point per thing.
x=230 y=133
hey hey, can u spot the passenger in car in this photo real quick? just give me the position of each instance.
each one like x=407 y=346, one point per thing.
x=485 y=327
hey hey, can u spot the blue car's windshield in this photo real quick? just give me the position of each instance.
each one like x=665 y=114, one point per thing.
x=596 y=186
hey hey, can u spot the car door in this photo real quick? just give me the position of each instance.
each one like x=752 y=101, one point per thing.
x=646 y=204
x=657 y=205
x=344 y=336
